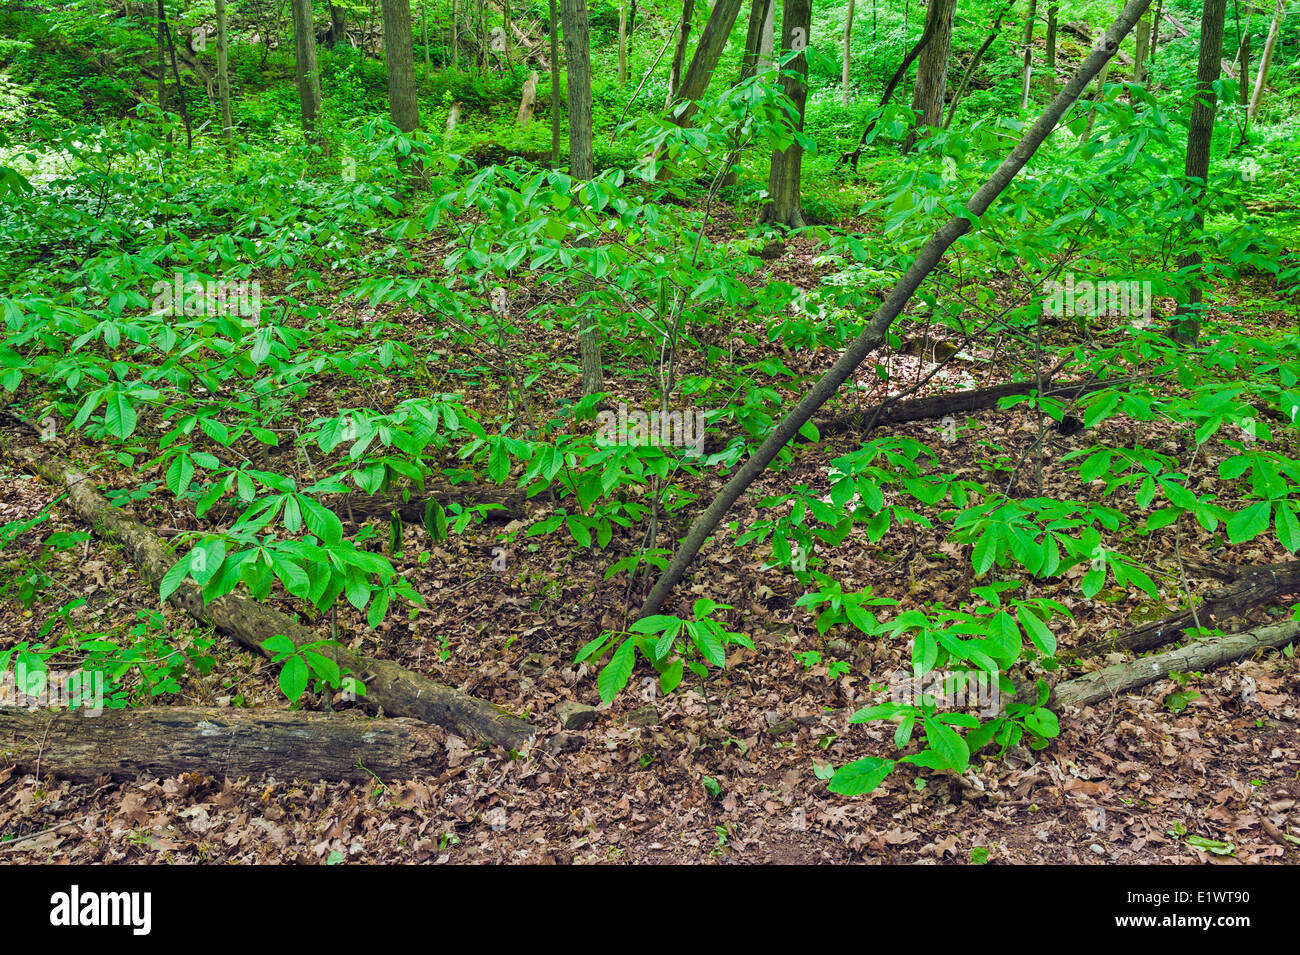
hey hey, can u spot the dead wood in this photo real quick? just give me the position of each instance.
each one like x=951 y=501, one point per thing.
x=168 y=741
x=1202 y=655
x=397 y=690
x=1250 y=587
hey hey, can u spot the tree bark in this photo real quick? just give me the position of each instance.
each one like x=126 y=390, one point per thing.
x=527 y=100
x=1252 y=587
x=707 y=53
x=1203 y=655
x=1265 y=61
x=767 y=39
x=932 y=69
x=784 y=180
x=577 y=54
x=555 y=84
x=874 y=334
x=1053 y=12
x=1029 y=53
x=399 y=691
x=622 y=44
x=304 y=53
x=1143 y=47
x=975 y=62
x=758 y=11
x=223 y=74
x=848 y=40
x=171 y=741
x=338 y=26
x=399 y=59
x=679 y=53
x=1200 y=134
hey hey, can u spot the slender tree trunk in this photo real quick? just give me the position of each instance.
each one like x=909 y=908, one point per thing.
x=577 y=55
x=716 y=33
x=932 y=69
x=767 y=39
x=1053 y=12
x=622 y=43
x=848 y=40
x=304 y=52
x=975 y=62
x=555 y=84
x=1200 y=134
x=399 y=58
x=1143 y=48
x=338 y=26
x=1030 y=22
x=424 y=35
x=1092 y=113
x=758 y=11
x=1243 y=59
x=223 y=74
x=679 y=53
x=455 y=36
x=876 y=330
x=785 y=202
x=1265 y=61
x=162 y=57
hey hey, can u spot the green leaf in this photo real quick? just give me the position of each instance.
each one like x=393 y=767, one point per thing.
x=1039 y=634
x=861 y=776
x=948 y=743
x=173 y=578
x=617 y=672
x=1249 y=523
x=293 y=677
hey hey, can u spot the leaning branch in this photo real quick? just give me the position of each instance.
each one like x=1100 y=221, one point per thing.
x=873 y=336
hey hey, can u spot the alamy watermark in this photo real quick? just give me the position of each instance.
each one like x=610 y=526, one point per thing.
x=674 y=429
x=210 y=299
x=956 y=690
x=78 y=689
x=1071 y=298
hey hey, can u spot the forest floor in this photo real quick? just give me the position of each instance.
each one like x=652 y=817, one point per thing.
x=724 y=771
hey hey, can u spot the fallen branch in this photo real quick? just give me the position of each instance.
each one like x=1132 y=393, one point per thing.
x=1202 y=655
x=399 y=691
x=1252 y=587
x=958 y=402
x=169 y=741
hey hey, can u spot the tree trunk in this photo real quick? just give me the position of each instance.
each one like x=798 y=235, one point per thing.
x=785 y=202
x=1029 y=53
x=1243 y=61
x=767 y=39
x=424 y=36
x=162 y=57
x=1053 y=12
x=1200 y=133
x=679 y=53
x=223 y=74
x=1143 y=47
x=932 y=69
x=399 y=58
x=338 y=26
x=455 y=36
x=975 y=62
x=527 y=100
x=577 y=54
x=304 y=53
x=555 y=84
x=753 y=38
x=848 y=40
x=171 y=741
x=399 y=691
x=716 y=33
x=874 y=335
x=1265 y=61
x=622 y=44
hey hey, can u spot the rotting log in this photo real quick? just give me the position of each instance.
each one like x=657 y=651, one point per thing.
x=1202 y=655
x=82 y=745
x=955 y=403
x=1253 y=586
x=397 y=690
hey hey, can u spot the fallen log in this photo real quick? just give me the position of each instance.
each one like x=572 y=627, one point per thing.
x=397 y=690
x=169 y=741
x=1202 y=655
x=1253 y=586
x=957 y=402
